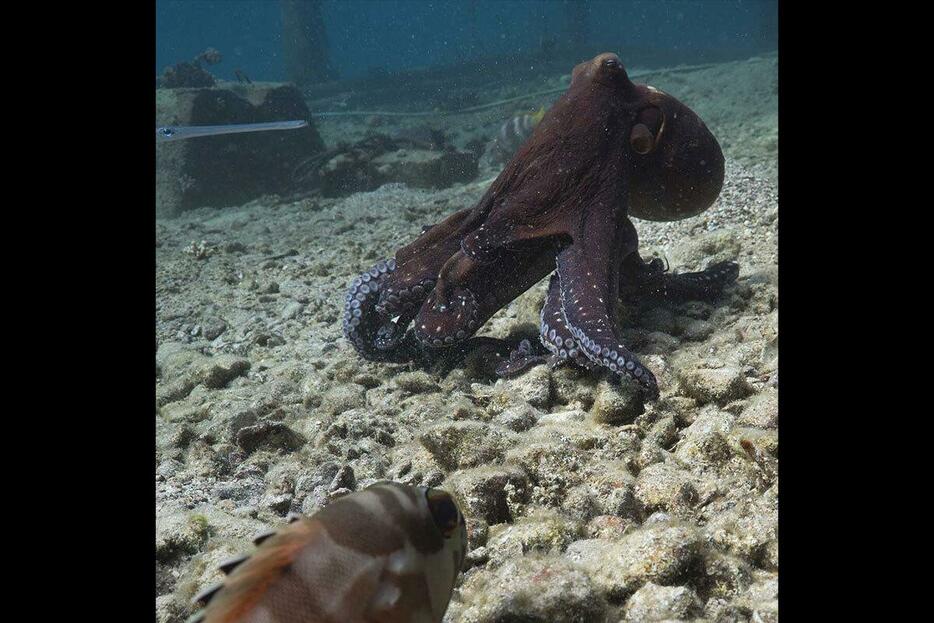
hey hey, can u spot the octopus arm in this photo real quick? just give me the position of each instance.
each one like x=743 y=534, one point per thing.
x=511 y=225
x=368 y=326
x=554 y=332
x=639 y=278
x=588 y=276
x=417 y=265
x=468 y=294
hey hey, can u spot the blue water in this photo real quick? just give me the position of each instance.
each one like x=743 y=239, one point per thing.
x=400 y=34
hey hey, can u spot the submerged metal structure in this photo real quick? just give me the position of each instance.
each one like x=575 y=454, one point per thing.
x=305 y=43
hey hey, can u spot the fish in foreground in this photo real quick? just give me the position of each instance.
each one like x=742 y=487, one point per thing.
x=388 y=554
x=167 y=133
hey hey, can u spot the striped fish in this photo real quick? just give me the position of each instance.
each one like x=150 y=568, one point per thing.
x=388 y=554
x=513 y=133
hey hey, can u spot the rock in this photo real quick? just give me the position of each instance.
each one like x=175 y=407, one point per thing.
x=278 y=503
x=540 y=530
x=659 y=603
x=563 y=417
x=187 y=74
x=212 y=327
x=769 y=559
x=657 y=517
x=358 y=426
x=684 y=410
x=709 y=420
x=175 y=359
x=530 y=588
x=168 y=610
x=704 y=442
x=567 y=469
x=706 y=247
x=417 y=382
x=458 y=445
x=663 y=486
x=574 y=386
x=758 y=444
x=269 y=436
x=478 y=532
x=761 y=411
x=462 y=408
x=664 y=432
x=725 y=576
x=552 y=462
x=660 y=553
x=608 y=527
x=694 y=330
x=168 y=468
x=173 y=391
x=234 y=169
x=342 y=398
x=534 y=387
x=291 y=310
x=191 y=411
x=489 y=492
x=179 y=534
x=762 y=598
x=719 y=385
x=606 y=489
x=519 y=418
x=227 y=418
x=344 y=479
x=747 y=529
x=616 y=487
x=243 y=490
x=314 y=487
x=718 y=610
x=649 y=454
x=660 y=342
x=422 y=168
x=218 y=371
x=475 y=557
x=709 y=448
x=617 y=403
x=205 y=460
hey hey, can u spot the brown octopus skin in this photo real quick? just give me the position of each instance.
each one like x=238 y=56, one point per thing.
x=607 y=149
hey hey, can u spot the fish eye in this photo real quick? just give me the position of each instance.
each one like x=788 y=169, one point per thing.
x=167 y=131
x=443 y=511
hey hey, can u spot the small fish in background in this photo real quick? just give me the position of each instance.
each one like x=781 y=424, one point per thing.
x=388 y=554
x=513 y=133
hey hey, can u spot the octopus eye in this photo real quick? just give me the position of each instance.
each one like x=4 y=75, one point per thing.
x=443 y=511
x=647 y=130
x=641 y=139
x=612 y=63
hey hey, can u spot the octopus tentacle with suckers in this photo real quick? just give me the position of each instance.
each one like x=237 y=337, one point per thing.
x=608 y=149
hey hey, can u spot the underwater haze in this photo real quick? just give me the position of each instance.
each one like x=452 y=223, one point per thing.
x=519 y=258
x=398 y=34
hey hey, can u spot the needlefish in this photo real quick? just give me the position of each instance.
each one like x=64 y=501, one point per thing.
x=168 y=133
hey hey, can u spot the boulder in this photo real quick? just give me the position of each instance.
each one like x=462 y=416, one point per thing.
x=232 y=169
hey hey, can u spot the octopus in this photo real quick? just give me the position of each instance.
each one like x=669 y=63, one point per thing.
x=607 y=150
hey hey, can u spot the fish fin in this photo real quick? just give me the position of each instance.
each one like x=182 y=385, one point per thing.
x=249 y=580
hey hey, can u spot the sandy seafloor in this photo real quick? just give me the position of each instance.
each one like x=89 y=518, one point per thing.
x=583 y=504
